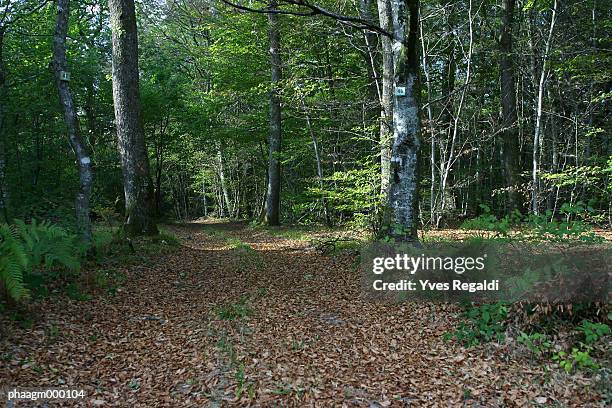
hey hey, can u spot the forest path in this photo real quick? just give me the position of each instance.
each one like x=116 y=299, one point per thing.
x=239 y=317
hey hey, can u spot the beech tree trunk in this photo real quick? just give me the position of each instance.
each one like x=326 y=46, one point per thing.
x=72 y=122
x=137 y=183
x=509 y=133
x=274 y=138
x=402 y=203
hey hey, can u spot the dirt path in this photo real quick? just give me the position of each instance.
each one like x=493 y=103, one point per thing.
x=268 y=324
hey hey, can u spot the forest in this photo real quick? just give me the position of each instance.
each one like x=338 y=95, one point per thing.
x=193 y=194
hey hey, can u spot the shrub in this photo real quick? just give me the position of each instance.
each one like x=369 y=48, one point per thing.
x=576 y=359
x=593 y=331
x=580 y=355
x=540 y=227
x=537 y=343
x=489 y=222
x=484 y=323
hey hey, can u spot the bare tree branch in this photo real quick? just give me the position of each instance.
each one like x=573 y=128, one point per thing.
x=315 y=10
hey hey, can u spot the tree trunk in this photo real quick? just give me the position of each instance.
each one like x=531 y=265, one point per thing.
x=226 y=210
x=3 y=100
x=509 y=133
x=72 y=122
x=537 y=134
x=137 y=184
x=447 y=166
x=447 y=145
x=386 y=101
x=315 y=145
x=404 y=184
x=274 y=139
x=204 y=199
x=432 y=130
x=370 y=40
x=159 y=166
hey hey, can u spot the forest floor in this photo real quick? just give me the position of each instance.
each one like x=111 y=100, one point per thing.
x=240 y=316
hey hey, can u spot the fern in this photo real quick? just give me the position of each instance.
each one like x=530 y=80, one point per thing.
x=48 y=244
x=27 y=247
x=13 y=263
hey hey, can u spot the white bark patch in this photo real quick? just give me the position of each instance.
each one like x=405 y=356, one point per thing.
x=397 y=46
x=85 y=160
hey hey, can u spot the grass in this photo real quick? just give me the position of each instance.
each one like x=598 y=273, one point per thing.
x=227 y=347
x=53 y=334
x=244 y=257
x=109 y=280
x=236 y=243
x=294 y=232
x=215 y=232
x=297 y=345
x=243 y=385
x=113 y=247
x=235 y=311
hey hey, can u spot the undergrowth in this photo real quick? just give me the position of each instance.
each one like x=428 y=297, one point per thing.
x=28 y=249
x=584 y=345
x=553 y=337
x=483 y=323
x=536 y=227
x=38 y=259
x=235 y=311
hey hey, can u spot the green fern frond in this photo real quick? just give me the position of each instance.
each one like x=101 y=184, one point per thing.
x=13 y=263
x=25 y=247
x=11 y=275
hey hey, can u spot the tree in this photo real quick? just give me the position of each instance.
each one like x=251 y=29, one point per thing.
x=386 y=98
x=203 y=87
x=402 y=201
x=137 y=183
x=275 y=136
x=3 y=98
x=537 y=132
x=509 y=132
x=12 y=12
x=62 y=77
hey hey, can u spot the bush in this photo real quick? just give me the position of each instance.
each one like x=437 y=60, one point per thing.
x=579 y=356
x=576 y=359
x=541 y=227
x=593 y=331
x=484 y=323
x=537 y=343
